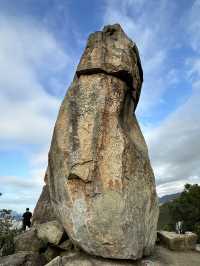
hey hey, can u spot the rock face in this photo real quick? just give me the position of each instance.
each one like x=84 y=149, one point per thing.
x=43 y=211
x=50 y=232
x=180 y=242
x=100 y=179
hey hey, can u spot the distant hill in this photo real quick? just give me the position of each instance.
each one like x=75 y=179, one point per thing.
x=168 y=198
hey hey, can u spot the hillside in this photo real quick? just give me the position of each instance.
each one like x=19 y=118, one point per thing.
x=168 y=198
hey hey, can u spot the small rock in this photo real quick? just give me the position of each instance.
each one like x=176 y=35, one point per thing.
x=51 y=252
x=66 y=245
x=28 y=241
x=175 y=241
x=24 y=258
x=83 y=259
x=50 y=232
x=69 y=253
x=55 y=262
x=197 y=248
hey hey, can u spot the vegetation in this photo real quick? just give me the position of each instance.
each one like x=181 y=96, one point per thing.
x=185 y=208
x=6 y=233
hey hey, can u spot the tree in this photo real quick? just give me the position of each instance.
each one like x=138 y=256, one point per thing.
x=186 y=208
x=7 y=234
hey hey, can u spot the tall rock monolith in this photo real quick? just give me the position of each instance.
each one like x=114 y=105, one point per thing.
x=100 y=180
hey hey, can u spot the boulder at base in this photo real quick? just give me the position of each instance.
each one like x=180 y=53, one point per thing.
x=24 y=258
x=175 y=241
x=161 y=257
x=87 y=260
x=28 y=241
x=50 y=232
x=100 y=179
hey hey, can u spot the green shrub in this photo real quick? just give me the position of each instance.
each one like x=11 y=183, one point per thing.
x=6 y=234
x=197 y=230
x=185 y=208
x=168 y=227
x=7 y=243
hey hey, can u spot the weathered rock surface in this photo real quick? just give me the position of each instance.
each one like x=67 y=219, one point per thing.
x=66 y=245
x=24 y=258
x=43 y=211
x=28 y=241
x=161 y=257
x=51 y=252
x=87 y=260
x=100 y=179
x=178 y=241
x=111 y=52
x=50 y=232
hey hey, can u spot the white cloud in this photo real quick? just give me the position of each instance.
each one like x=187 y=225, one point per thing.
x=27 y=53
x=30 y=58
x=20 y=192
x=174 y=146
x=193 y=26
x=176 y=186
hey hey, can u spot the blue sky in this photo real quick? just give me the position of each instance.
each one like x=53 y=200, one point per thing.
x=40 y=45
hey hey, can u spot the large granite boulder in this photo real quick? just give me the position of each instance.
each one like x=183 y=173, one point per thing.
x=100 y=180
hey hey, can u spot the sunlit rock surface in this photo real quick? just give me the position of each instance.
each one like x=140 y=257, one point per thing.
x=100 y=180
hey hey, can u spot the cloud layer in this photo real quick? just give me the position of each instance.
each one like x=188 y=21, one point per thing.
x=28 y=102
x=29 y=110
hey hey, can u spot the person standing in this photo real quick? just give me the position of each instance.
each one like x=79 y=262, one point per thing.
x=179 y=227
x=27 y=219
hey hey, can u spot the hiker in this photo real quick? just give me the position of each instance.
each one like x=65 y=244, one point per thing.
x=179 y=227
x=27 y=219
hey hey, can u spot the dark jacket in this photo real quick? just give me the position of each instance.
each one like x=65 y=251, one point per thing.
x=27 y=217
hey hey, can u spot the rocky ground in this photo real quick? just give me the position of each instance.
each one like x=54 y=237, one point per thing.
x=48 y=245
x=164 y=256
x=161 y=257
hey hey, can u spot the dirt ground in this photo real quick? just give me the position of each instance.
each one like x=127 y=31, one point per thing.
x=162 y=256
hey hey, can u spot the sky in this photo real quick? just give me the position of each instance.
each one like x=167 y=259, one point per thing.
x=40 y=46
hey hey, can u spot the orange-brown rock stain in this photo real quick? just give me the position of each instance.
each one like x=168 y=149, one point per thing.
x=114 y=184
x=76 y=188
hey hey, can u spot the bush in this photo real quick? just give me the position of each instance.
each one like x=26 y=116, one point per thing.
x=7 y=243
x=197 y=230
x=168 y=227
x=185 y=208
x=6 y=234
